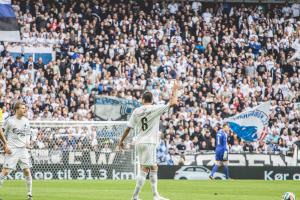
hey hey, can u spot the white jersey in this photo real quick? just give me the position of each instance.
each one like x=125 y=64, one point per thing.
x=17 y=131
x=296 y=45
x=146 y=121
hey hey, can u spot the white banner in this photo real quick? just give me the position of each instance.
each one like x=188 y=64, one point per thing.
x=44 y=52
x=114 y=108
x=249 y=125
x=29 y=49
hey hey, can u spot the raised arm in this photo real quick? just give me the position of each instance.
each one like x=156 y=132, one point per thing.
x=173 y=99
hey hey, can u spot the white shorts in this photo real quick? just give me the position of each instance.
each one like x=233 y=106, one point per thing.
x=18 y=156
x=146 y=154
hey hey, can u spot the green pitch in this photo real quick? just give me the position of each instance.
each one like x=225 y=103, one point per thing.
x=174 y=190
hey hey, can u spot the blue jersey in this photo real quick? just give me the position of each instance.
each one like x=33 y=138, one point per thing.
x=221 y=146
x=221 y=141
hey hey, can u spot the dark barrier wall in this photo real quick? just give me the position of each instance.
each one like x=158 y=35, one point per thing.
x=94 y=172
x=117 y=166
x=262 y=173
x=246 y=1
x=75 y=172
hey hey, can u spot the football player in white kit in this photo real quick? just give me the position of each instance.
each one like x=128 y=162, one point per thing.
x=17 y=131
x=146 y=121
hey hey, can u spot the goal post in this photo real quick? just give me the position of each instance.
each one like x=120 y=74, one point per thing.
x=69 y=150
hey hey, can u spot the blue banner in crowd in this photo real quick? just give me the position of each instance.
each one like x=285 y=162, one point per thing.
x=36 y=52
x=249 y=125
x=9 y=28
x=109 y=108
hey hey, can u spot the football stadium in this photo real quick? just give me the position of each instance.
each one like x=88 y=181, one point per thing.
x=149 y=99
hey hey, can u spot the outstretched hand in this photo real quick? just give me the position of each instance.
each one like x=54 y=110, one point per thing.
x=121 y=146
x=175 y=85
x=6 y=150
x=173 y=99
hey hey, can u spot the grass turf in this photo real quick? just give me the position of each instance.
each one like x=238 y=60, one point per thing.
x=174 y=190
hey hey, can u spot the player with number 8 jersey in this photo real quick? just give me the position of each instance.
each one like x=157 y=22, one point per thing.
x=145 y=120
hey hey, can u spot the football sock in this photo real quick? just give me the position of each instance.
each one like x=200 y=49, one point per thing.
x=153 y=181
x=28 y=180
x=2 y=178
x=214 y=170
x=226 y=171
x=140 y=180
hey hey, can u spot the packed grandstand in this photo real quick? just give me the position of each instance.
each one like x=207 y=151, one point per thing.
x=228 y=58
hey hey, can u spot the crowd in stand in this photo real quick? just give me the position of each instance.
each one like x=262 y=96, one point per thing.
x=227 y=57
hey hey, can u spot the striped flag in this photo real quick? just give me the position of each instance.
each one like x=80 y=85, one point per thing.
x=9 y=28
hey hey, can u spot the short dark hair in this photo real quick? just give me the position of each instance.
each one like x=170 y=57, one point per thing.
x=147 y=97
x=18 y=104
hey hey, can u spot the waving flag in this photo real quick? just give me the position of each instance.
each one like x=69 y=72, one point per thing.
x=114 y=108
x=249 y=125
x=9 y=29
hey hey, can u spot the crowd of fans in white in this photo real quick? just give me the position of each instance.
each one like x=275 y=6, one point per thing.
x=228 y=58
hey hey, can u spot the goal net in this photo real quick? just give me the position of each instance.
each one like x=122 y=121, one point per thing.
x=78 y=150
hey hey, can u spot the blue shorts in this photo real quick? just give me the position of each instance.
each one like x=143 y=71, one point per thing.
x=220 y=155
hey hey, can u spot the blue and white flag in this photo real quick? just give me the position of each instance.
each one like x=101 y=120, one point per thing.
x=249 y=125
x=9 y=28
x=109 y=108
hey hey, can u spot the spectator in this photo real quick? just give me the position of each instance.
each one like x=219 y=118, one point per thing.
x=189 y=146
x=236 y=148
x=261 y=148
x=282 y=147
x=106 y=148
x=228 y=59
x=272 y=138
x=297 y=142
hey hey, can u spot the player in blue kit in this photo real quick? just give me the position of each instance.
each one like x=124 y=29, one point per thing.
x=221 y=152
